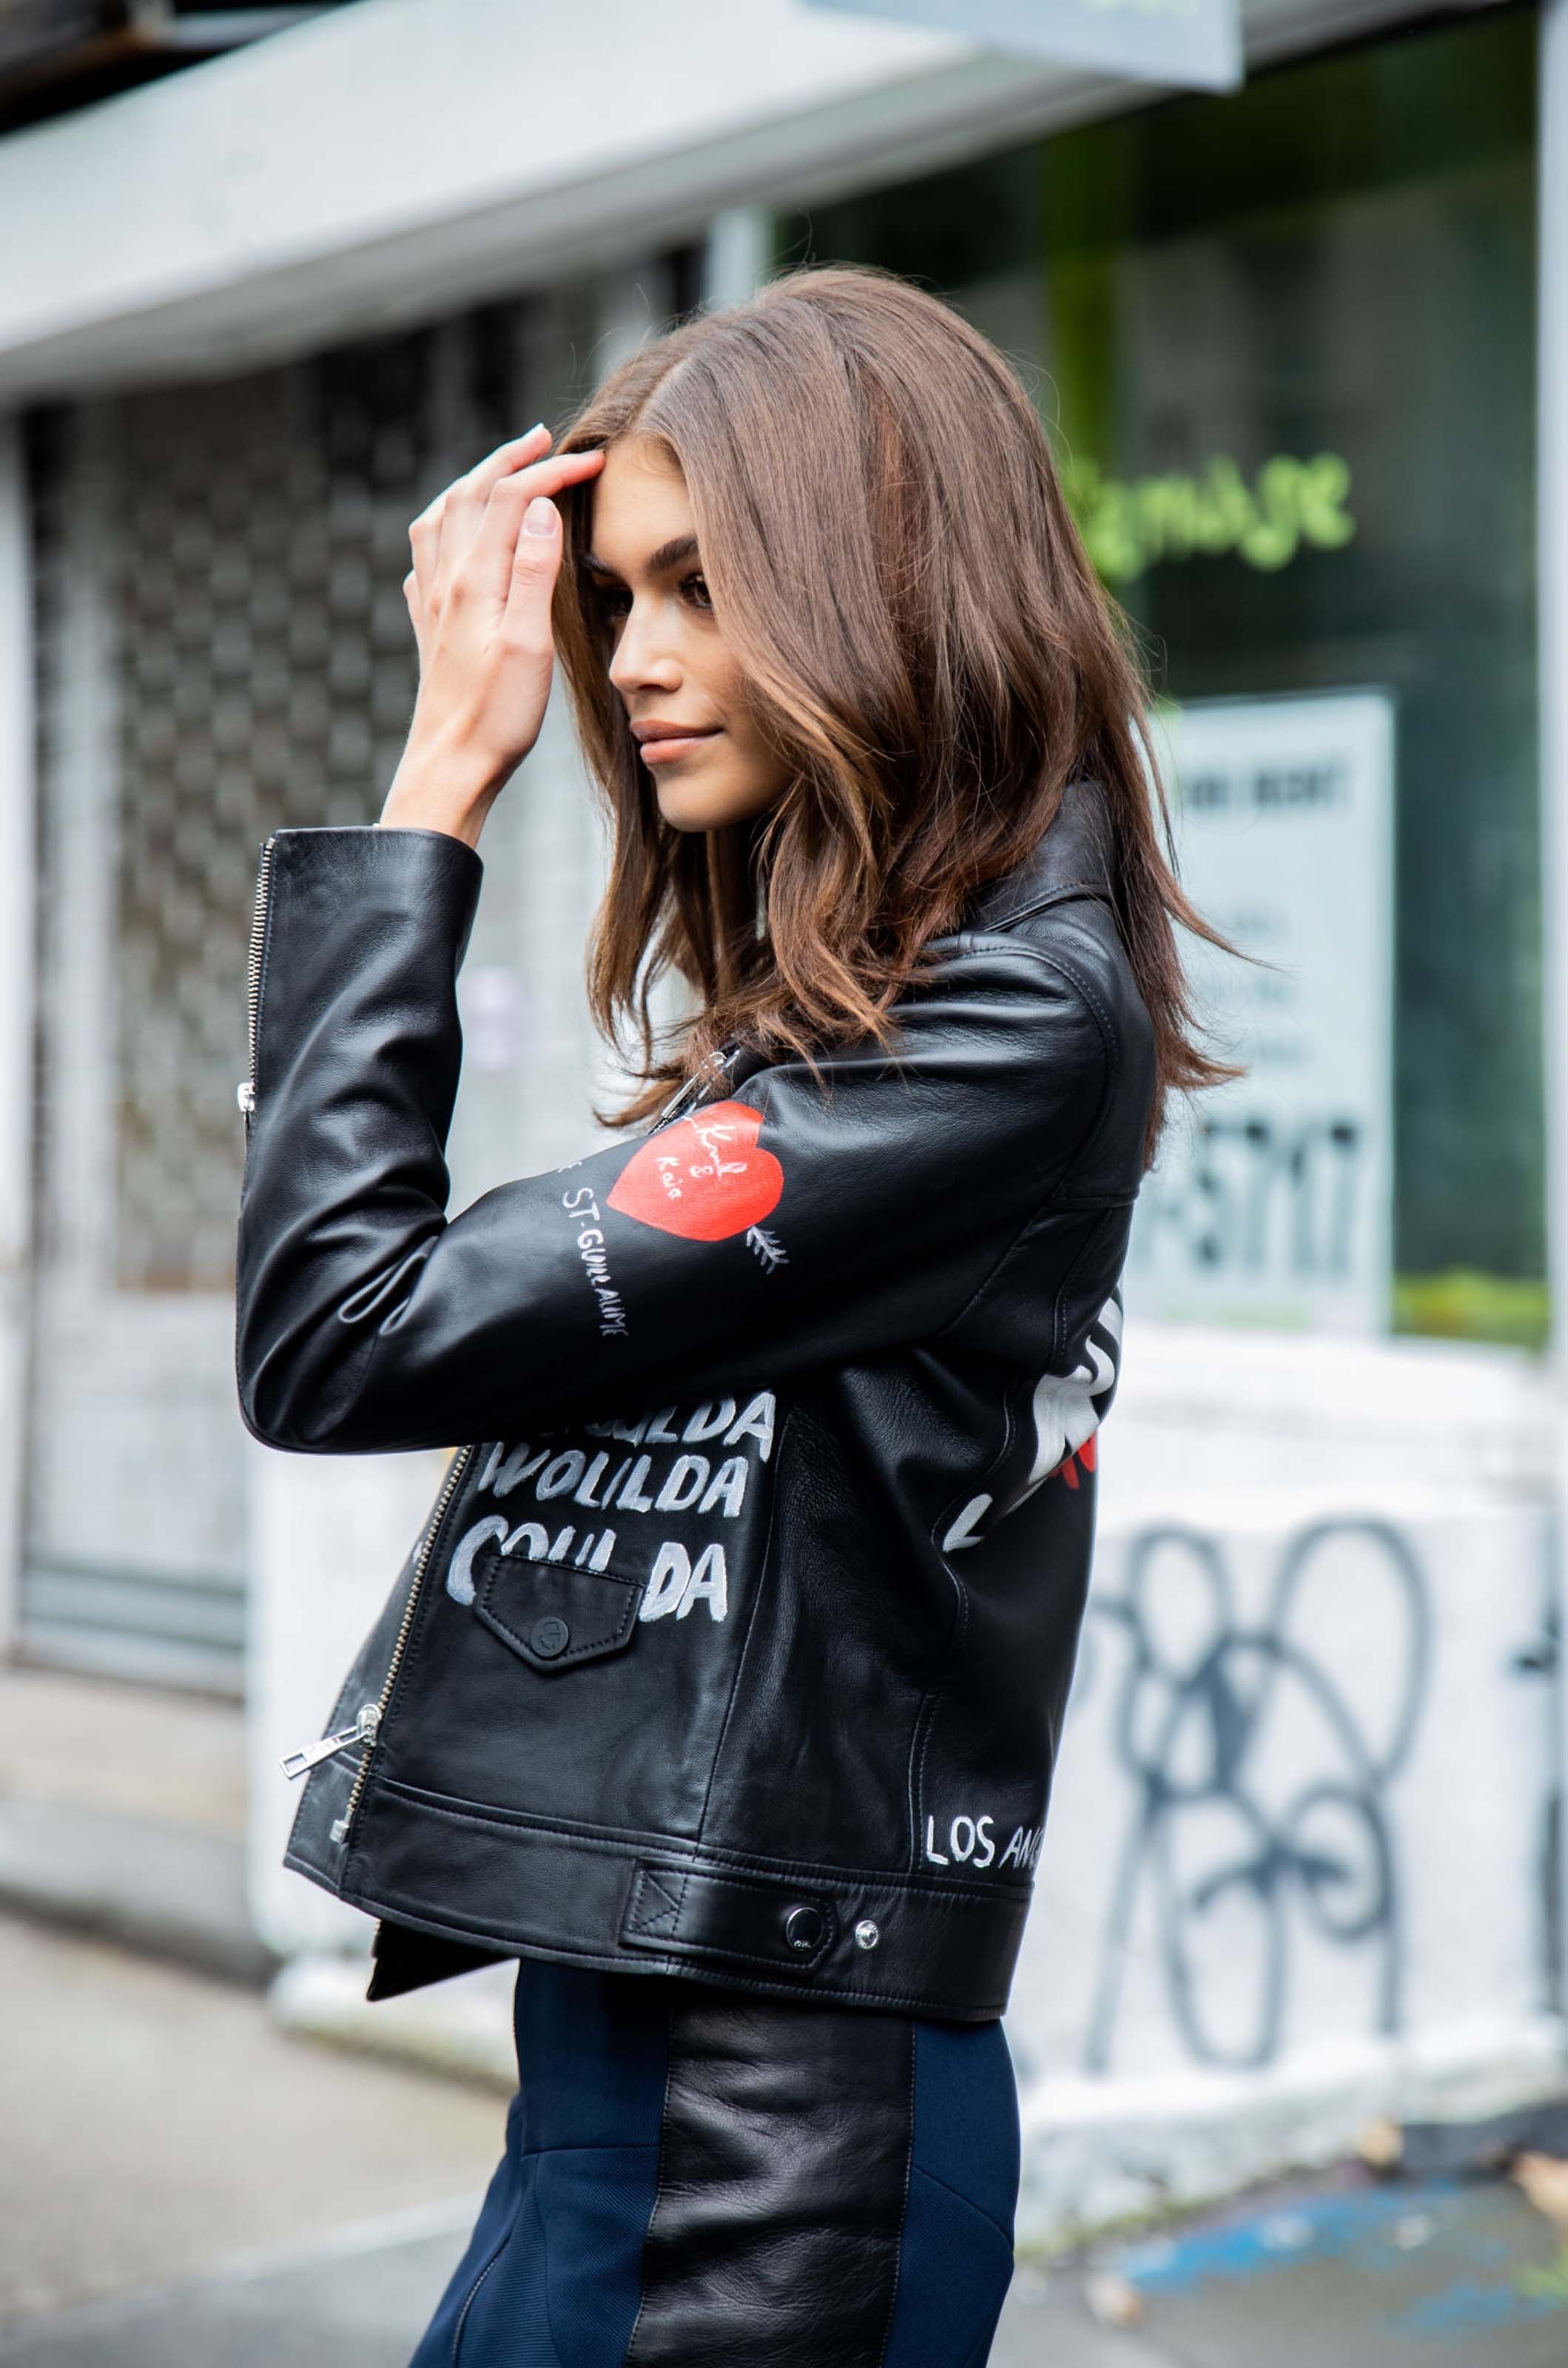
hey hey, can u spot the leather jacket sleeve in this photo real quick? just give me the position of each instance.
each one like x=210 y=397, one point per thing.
x=805 y=1219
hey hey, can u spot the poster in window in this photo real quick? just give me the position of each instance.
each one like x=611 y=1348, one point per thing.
x=1271 y=1201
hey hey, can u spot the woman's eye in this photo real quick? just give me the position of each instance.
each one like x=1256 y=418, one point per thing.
x=614 y=603
x=694 y=587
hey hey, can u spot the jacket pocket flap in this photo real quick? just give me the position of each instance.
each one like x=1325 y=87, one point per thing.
x=552 y=1614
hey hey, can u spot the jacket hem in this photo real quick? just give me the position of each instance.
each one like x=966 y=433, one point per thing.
x=874 y=1941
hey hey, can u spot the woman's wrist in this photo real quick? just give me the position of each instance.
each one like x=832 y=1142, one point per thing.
x=441 y=789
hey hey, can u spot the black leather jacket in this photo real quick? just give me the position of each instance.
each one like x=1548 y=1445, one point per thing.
x=738 y=1641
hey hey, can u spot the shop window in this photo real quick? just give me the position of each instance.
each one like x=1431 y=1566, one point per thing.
x=1285 y=343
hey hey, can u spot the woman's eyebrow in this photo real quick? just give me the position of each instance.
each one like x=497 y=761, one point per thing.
x=679 y=548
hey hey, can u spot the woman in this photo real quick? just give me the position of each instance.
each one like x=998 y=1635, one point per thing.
x=722 y=1687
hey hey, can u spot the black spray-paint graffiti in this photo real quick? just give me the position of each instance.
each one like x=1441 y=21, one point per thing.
x=1215 y=1829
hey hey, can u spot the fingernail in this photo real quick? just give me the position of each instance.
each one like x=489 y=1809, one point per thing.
x=537 y=429
x=540 y=517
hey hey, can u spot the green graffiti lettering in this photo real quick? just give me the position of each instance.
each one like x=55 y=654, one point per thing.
x=1132 y=524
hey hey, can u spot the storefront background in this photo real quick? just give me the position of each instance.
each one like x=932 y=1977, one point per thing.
x=1285 y=343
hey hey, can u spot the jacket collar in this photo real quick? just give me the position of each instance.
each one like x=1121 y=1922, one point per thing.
x=1073 y=858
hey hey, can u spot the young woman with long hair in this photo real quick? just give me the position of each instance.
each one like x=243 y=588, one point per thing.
x=722 y=1687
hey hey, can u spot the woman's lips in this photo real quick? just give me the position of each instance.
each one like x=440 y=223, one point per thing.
x=662 y=747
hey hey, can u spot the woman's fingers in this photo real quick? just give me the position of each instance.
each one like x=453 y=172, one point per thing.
x=484 y=474
x=462 y=512
x=485 y=559
x=508 y=457
x=469 y=519
x=495 y=544
x=461 y=506
x=535 y=564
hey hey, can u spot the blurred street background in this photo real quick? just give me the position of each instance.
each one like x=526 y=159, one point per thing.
x=1289 y=286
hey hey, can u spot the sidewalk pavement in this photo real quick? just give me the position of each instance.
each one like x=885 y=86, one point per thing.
x=122 y=1812
x=186 y=2186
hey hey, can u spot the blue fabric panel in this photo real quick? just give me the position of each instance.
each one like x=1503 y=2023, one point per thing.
x=491 y=2230
x=966 y=2115
x=591 y=2057
x=553 y=2274
x=955 y=2259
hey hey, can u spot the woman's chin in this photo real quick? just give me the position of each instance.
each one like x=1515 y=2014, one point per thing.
x=691 y=809
x=707 y=805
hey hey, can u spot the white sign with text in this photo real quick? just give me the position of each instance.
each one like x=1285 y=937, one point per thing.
x=1270 y=1202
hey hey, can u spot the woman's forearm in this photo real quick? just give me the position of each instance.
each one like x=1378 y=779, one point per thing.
x=435 y=788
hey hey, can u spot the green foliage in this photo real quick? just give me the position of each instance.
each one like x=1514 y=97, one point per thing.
x=1464 y=1305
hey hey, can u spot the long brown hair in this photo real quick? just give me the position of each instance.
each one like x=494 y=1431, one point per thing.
x=891 y=559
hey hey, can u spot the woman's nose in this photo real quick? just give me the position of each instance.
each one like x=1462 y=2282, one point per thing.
x=643 y=661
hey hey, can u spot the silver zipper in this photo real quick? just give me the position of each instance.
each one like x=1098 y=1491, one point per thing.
x=299 y=1763
x=377 y=1711
x=695 y=1088
x=245 y=1091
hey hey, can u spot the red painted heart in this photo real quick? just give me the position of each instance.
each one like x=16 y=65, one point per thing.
x=704 y=1178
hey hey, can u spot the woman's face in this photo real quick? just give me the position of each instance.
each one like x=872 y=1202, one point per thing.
x=683 y=690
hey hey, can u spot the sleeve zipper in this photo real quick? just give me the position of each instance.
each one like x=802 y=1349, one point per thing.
x=245 y=1091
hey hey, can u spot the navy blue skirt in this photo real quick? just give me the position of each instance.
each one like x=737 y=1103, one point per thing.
x=695 y=2178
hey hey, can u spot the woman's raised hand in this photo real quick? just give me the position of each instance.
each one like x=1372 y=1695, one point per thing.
x=486 y=554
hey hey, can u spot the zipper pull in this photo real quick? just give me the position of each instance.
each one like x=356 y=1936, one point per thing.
x=245 y=1094
x=299 y=1763
x=715 y=1074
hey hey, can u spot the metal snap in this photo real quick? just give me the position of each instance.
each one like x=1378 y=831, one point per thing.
x=865 y=1934
x=549 y=1637
x=804 y=1927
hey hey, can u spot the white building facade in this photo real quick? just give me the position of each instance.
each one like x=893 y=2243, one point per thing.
x=1305 y=1855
